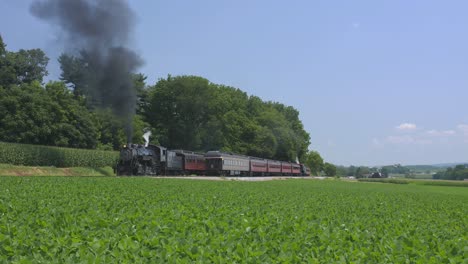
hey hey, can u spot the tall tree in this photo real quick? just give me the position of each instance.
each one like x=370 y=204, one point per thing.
x=329 y=169
x=314 y=161
x=2 y=47
x=24 y=66
x=73 y=73
x=30 y=65
x=177 y=110
x=139 y=81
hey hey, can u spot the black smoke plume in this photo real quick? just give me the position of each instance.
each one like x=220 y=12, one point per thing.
x=100 y=32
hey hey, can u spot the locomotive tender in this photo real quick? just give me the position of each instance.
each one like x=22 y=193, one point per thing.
x=157 y=160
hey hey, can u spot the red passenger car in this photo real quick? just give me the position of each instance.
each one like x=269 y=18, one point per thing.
x=286 y=168
x=296 y=169
x=258 y=167
x=193 y=163
x=274 y=167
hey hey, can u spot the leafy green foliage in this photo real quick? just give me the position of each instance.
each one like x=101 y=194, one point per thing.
x=329 y=169
x=34 y=155
x=135 y=220
x=73 y=73
x=459 y=172
x=32 y=114
x=2 y=47
x=314 y=161
x=396 y=169
x=24 y=66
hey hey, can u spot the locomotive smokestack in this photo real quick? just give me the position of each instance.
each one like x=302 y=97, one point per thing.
x=99 y=32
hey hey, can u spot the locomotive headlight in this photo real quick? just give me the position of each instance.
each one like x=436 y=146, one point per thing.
x=124 y=146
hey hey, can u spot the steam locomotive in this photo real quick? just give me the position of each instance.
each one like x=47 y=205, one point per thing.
x=150 y=159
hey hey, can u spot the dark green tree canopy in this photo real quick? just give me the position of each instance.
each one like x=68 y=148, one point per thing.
x=31 y=114
x=24 y=66
x=314 y=161
x=30 y=65
x=459 y=172
x=73 y=73
x=329 y=169
x=2 y=47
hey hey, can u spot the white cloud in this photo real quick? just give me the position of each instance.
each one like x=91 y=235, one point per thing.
x=441 y=133
x=413 y=135
x=406 y=127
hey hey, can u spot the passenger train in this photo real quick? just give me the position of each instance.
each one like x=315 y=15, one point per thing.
x=150 y=159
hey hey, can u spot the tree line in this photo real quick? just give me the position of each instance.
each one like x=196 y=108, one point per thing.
x=183 y=112
x=459 y=172
x=364 y=171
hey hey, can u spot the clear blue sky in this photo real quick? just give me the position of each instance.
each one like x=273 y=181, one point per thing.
x=376 y=82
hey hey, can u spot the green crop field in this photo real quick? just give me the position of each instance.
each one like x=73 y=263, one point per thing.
x=134 y=220
x=36 y=155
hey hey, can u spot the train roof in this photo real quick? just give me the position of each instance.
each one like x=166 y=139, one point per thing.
x=220 y=154
x=258 y=159
x=217 y=153
x=187 y=152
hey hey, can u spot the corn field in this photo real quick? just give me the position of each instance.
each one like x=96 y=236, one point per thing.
x=35 y=155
